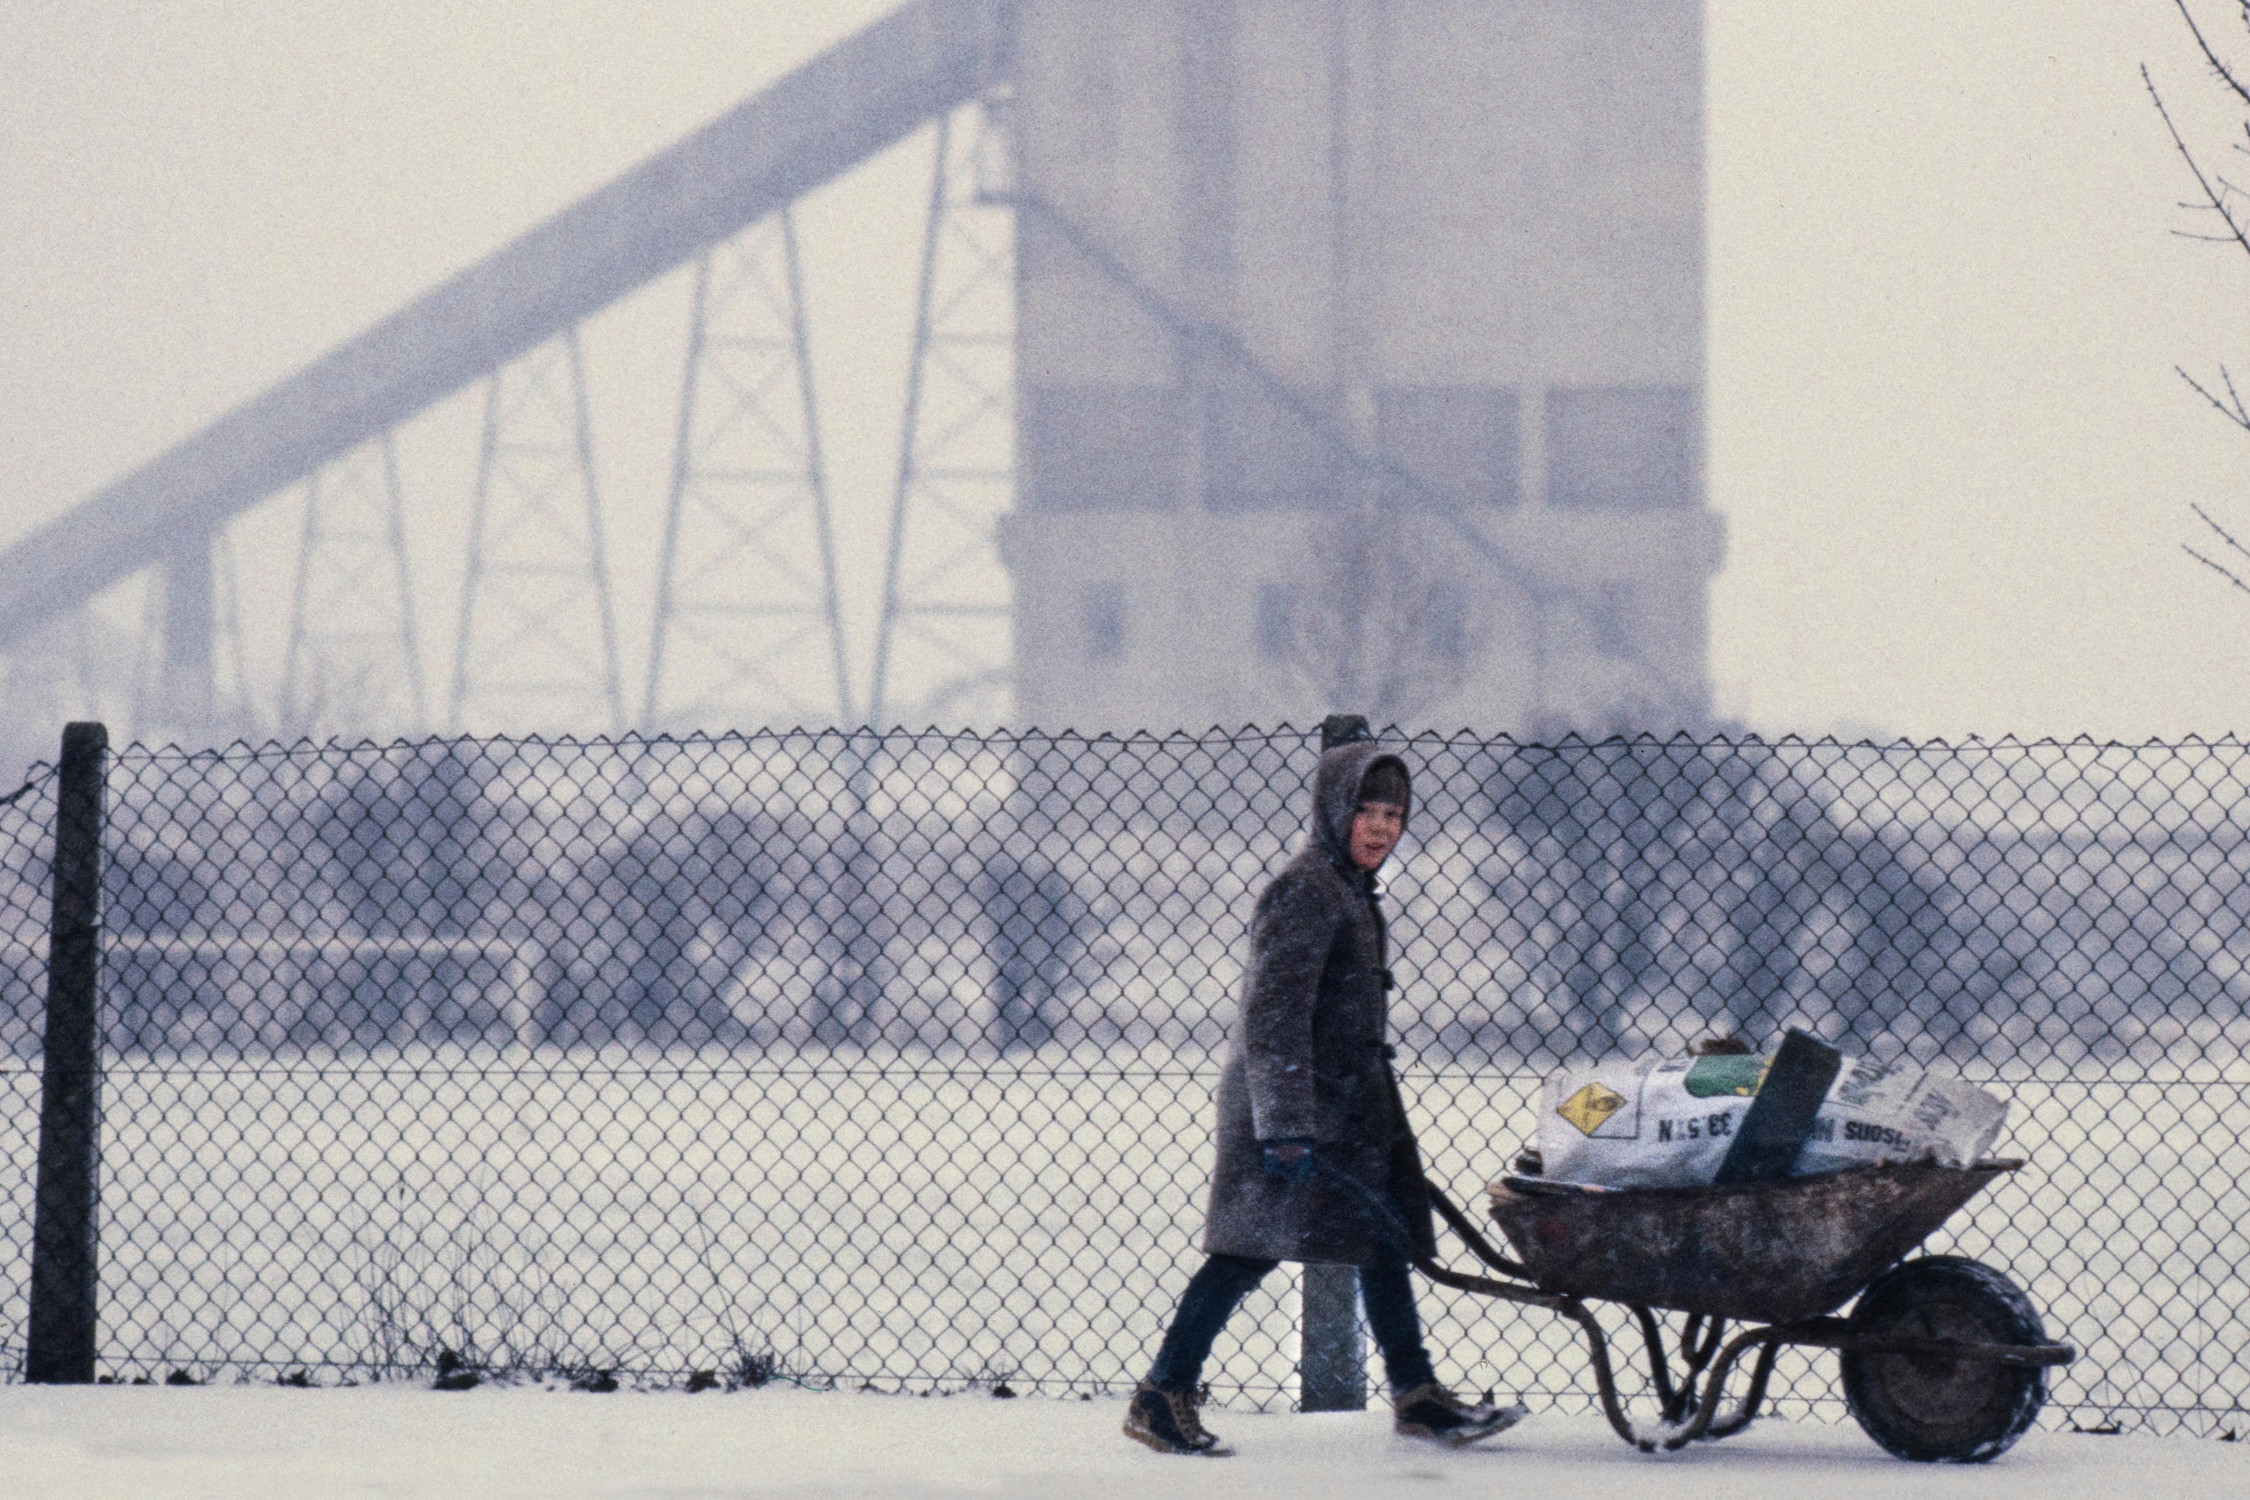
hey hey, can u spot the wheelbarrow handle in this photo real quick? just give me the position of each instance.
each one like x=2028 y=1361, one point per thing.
x=1459 y=1223
x=1386 y=1217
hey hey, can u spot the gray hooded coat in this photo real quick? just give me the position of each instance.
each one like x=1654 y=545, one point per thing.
x=1309 y=1058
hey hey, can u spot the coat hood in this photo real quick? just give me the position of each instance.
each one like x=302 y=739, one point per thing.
x=1336 y=795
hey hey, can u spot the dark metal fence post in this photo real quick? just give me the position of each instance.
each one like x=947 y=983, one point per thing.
x=59 y=1346
x=1331 y=1360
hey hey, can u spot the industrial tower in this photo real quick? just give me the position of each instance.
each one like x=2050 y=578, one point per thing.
x=1361 y=363
x=1273 y=357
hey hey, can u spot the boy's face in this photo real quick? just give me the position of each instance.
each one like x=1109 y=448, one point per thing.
x=1375 y=830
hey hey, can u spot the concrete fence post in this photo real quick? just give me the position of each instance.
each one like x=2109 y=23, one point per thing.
x=59 y=1344
x=1331 y=1359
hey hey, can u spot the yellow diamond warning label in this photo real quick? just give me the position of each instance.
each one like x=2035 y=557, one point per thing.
x=1590 y=1106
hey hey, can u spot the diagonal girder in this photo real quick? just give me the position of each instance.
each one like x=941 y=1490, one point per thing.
x=865 y=93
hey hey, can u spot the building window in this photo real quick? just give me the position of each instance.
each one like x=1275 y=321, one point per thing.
x=1456 y=443
x=1100 y=447
x=1105 y=622
x=1622 y=447
x=1277 y=608
x=1264 y=452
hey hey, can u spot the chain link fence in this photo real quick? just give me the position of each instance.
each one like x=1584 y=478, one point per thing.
x=27 y=835
x=886 y=1060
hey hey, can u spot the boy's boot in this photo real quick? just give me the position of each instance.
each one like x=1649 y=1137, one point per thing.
x=1166 y=1421
x=1433 y=1412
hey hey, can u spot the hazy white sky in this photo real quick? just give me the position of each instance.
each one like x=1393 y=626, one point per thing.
x=1945 y=306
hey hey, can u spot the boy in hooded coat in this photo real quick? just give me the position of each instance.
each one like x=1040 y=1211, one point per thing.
x=1316 y=1160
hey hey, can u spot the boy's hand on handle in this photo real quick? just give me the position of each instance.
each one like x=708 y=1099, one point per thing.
x=1289 y=1159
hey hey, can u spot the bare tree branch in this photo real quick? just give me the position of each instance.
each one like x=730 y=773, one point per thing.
x=2223 y=534
x=2235 y=412
x=2221 y=530
x=2211 y=193
x=1363 y=641
x=2224 y=572
x=2219 y=196
x=2210 y=54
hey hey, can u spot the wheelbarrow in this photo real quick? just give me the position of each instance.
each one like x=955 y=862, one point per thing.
x=1944 y=1359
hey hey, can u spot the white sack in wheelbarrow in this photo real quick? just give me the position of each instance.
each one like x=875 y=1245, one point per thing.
x=1667 y=1122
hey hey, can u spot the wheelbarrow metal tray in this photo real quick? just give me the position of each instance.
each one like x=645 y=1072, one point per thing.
x=1765 y=1252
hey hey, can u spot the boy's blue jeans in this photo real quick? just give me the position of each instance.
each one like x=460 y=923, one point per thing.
x=1224 y=1280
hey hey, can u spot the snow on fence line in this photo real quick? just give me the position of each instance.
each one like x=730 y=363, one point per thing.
x=885 y=1059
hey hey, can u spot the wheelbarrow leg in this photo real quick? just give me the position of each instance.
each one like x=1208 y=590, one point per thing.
x=1714 y=1387
x=1695 y=1351
x=1699 y=1341
x=1703 y=1423
x=1747 y=1412
x=1670 y=1399
x=1597 y=1348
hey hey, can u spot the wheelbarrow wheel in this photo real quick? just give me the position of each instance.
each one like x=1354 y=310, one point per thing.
x=1931 y=1408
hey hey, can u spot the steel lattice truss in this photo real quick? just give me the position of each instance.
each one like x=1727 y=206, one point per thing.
x=353 y=661
x=945 y=619
x=747 y=619
x=537 y=646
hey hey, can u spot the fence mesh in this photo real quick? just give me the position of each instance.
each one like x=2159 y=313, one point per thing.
x=886 y=1059
x=27 y=822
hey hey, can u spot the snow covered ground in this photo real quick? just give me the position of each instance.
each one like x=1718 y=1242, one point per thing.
x=255 y=1442
x=919 y=1222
